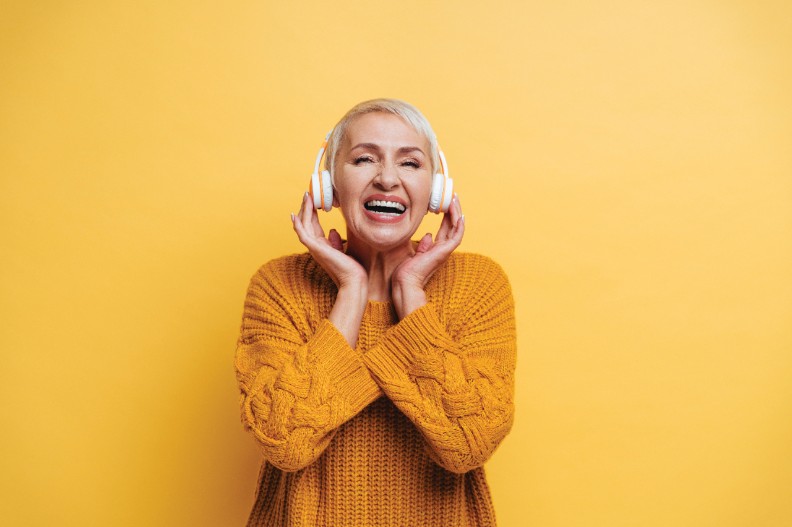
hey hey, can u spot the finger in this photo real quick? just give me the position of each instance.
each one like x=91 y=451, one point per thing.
x=335 y=240
x=425 y=244
x=454 y=213
x=459 y=230
x=302 y=205
x=455 y=210
x=309 y=218
x=306 y=210
x=455 y=235
x=298 y=217
x=317 y=228
x=298 y=228
x=445 y=228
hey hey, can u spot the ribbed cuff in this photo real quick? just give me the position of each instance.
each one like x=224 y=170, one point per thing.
x=349 y=376
x=410 y=346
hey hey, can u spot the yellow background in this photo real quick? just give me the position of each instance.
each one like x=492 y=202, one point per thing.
x=628 y=163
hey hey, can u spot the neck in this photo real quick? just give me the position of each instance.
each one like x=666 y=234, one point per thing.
x=379 y=265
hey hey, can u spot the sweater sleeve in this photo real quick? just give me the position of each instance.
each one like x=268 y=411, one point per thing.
x=297 y=384
x=456 y=385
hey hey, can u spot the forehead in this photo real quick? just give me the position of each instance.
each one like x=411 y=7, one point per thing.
x=384 y=129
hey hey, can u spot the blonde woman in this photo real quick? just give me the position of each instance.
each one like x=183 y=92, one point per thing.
x=377 y=373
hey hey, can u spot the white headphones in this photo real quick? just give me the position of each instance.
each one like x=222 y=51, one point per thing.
x=321 y=187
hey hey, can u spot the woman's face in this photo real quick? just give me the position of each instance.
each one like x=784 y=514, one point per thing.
x=382 y=180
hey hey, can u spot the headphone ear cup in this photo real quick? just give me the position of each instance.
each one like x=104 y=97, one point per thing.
x=314 y=190
x=327 y=191
x=321 y=190
x=436 y=196
x=447 y=195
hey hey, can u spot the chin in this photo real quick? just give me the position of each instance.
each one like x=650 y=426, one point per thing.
x=386 y=243
x=384 y=238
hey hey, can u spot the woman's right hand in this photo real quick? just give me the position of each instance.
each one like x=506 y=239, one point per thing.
x=345 y=271
x=349 y=276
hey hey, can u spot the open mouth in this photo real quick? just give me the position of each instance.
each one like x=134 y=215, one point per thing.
x=389 y=208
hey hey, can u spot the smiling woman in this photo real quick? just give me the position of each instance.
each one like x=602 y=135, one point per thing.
x=377 y=374
x=382 y=178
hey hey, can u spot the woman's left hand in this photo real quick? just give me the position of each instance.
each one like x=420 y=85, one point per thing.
x=410 y=277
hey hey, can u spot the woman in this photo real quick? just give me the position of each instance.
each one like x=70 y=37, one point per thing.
x=377 y=374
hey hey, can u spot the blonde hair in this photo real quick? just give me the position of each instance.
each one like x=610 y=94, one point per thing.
x=405 y=110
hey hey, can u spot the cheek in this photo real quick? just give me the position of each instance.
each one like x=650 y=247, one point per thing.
x=423 y=191
x=347 y=191
x=340 y=187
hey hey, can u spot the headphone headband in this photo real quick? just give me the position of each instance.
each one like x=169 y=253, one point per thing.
x=321 y=152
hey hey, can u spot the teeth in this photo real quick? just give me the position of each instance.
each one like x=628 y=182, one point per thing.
x=390 y=204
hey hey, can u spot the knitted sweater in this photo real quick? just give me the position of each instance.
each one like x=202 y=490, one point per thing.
x=393 y=432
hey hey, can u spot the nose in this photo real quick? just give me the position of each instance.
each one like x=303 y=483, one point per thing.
x=387 y=176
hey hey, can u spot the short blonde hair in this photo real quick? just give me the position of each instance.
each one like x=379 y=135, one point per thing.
x=403 y=109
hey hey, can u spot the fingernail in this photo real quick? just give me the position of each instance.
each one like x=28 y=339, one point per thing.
x=462 y=218
x=292 y=216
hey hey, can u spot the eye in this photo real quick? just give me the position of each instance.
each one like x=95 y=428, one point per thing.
x=363 y=159
x=411 y=163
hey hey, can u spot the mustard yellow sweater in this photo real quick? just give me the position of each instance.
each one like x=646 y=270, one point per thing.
x=394 y=432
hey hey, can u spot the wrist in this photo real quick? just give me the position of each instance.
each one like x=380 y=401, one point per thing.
x=347 y=312
x=407 y=298
x=355 y=293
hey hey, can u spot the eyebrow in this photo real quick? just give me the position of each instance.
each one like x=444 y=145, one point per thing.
x=402 y=150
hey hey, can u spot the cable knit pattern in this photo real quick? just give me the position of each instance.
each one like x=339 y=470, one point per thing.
x=393 y=432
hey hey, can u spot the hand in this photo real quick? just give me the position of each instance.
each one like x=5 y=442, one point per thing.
x=410 y=277
x=328 y=252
